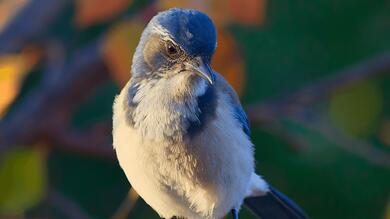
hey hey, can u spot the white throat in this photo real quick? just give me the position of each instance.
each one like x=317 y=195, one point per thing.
x=165 y=108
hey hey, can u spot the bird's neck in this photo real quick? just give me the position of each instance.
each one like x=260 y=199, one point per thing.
x=160 y=115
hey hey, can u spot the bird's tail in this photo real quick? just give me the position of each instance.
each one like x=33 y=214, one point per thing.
x=274 y=205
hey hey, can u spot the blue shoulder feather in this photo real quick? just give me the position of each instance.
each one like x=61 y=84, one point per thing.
x=238 y=111
x=241 y=117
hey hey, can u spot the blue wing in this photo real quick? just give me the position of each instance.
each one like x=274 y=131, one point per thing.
x=241 y=117
x=274 y=204
x=238 y=111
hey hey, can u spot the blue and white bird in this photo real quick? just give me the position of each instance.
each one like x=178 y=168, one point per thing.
x=179 y=131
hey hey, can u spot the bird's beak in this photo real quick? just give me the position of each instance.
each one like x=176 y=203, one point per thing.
x=202 y=69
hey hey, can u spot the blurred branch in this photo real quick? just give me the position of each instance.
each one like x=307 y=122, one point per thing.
x=50 y=105
x=31 y=24
x=295 y=102
x=127 y=205
x=296 y=142
x=358 y=147
x=69 y=208
x=94 y=142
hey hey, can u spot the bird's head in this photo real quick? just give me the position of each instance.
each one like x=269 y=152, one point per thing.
x=176 y=47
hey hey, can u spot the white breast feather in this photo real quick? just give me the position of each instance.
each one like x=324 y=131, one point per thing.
x=202 y=180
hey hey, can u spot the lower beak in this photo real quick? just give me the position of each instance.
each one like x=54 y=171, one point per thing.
x=202 y=69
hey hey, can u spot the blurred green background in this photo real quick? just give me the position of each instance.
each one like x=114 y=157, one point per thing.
x=62 y=62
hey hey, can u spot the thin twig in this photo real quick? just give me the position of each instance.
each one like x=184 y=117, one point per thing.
x=69 y=208
x=127 y=205
x=297 y=143
x=361 y=148
x=94 y=142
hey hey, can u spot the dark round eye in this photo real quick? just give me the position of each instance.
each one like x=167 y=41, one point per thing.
x=172 y=50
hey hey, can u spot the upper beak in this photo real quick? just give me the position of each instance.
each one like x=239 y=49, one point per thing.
x=202 y=69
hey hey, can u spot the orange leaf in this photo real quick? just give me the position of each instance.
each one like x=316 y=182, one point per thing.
x=228 y=61
x=167 y=4
x=89 y=12
x=218 y=10
x=249 y=12
x=119 y=47
x=220 y=13
x=13 y=68
x=8 y=9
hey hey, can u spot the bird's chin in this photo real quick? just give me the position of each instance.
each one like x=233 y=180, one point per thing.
x=199 y=86
x=187 y=82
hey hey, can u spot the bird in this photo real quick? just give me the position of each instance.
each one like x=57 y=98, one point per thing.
x=180 y=133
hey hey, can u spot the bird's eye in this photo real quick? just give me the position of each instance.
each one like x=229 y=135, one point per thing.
x=172 y=50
